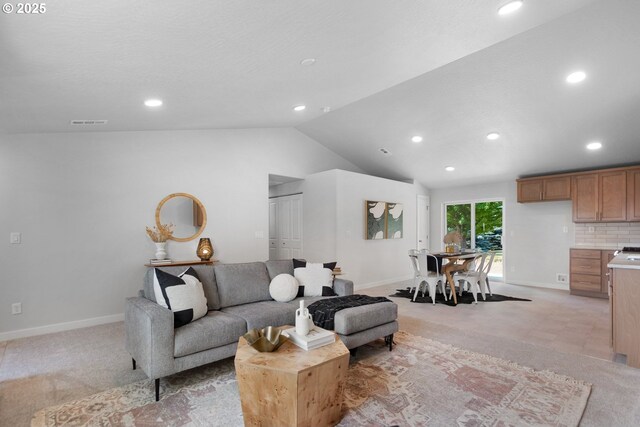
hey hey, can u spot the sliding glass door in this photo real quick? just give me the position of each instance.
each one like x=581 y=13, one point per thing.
x=480 y=223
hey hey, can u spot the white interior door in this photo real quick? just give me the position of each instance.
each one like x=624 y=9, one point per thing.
x=286 y=218
x=422 y=216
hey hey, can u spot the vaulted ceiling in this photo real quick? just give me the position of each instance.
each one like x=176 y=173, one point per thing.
x=449 y=71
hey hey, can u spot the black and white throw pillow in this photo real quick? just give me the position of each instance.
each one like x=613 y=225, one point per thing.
x=317 y=282
x=181 y=294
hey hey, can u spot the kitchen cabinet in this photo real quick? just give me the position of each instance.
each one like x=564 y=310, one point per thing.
x=624 y=302
x=633 y=194
x=600 y=197
x=544 y=189
x=588 y=272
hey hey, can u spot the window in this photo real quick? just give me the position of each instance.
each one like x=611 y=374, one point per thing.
x=481 y=226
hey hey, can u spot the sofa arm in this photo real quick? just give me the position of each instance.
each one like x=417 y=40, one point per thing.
x=343 y=287
x=150 y=336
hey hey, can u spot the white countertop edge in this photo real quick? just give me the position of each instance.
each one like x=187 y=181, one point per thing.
x=625 y=266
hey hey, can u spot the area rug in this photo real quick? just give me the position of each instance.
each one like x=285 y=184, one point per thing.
x=465 y=298
x=420 y=383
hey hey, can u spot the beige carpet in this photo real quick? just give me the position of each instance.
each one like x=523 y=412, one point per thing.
x=422 y=382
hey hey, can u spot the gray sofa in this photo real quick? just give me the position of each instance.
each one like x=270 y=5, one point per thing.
x=238 y=300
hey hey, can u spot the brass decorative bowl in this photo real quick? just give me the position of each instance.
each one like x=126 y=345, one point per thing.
x=265 y=340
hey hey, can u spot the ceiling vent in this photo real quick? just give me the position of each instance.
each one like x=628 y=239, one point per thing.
x=88 y=122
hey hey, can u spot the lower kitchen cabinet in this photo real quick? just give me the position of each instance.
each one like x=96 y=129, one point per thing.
x=588 y=268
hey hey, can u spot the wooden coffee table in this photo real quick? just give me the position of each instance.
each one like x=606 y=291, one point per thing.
x=291 y=386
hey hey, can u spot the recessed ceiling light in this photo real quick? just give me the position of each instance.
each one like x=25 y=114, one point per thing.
x=153 y=102
x=308 y=61
x=576 y=77
x=299 y=108
x=594 y=145
x=326 y=109
x=417 y=139
x=493 y=136
x=510 y=7
x=449 y=168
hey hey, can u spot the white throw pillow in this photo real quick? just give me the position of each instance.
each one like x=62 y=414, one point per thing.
x=314 y=279
x=283 y=288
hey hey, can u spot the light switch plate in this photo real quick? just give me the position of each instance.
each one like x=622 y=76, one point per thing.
x=15 y=238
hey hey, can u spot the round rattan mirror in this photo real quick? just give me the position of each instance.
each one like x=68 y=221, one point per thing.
x=185 y=212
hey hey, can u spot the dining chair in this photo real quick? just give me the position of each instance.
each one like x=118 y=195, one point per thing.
x=487 y=270
x=474 y=277
x=413 y=257
x=429 y=273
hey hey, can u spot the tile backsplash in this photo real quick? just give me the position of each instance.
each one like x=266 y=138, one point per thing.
x=608 y=234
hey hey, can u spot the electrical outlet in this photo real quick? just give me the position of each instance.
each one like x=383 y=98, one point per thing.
x=15 y=238
x=562 y=278
x=565 y=229
x=16 y=308
x=591 y=229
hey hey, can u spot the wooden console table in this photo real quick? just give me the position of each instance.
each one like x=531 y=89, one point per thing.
x=182 y=263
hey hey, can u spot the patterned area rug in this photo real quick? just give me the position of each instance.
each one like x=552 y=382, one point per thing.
x=420 y=383
x=465 y=298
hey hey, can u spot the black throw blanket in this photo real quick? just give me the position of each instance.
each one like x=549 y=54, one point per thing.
x=324 y=311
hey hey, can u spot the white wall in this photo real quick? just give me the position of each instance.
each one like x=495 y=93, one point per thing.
x=82 y=200
x=373 y=262
x=536 y=246
x=334 y=225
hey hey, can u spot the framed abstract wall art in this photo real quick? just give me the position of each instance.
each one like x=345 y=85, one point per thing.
x=375 y=220
x=394 y=216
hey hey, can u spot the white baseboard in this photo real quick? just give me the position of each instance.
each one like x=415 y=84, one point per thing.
x=559 y=286
x=59 y=327
x=382 y=282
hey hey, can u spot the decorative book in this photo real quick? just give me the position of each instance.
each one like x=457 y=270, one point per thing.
x=317 y=337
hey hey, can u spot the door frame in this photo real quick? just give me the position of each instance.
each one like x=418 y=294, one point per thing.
x=419 y=199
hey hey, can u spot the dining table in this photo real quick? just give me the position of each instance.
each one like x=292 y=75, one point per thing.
x=456 y=261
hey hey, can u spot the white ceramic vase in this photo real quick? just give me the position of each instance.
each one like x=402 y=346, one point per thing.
x=303 y=320
x=161 y=250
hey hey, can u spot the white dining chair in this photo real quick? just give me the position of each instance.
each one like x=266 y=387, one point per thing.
x=431 y=278
x=413 y=257
x=474 y=277
x=487 y=270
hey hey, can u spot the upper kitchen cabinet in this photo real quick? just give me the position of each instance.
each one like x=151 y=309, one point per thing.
x=544 y=189
x=605 y=195
x=585 y=192
x=633 y=194
x=600 y=197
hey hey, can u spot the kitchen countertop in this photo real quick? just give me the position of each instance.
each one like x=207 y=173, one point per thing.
x=596 y=247
x=623 y=261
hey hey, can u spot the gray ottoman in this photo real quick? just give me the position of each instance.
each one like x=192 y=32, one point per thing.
x=359 y=325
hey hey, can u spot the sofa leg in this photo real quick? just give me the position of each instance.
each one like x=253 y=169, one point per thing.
x=389 y=341
x=157 y=389
x=353 y=351
x=134 y=363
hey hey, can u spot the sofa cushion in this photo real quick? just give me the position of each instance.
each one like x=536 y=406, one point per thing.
x=358 y=319
x=213 y=330
x=183 y=295
x=242 y=283
x=205 y=274
x=266 y=313
x=283 y=288
x=281 y=266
